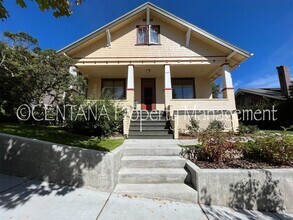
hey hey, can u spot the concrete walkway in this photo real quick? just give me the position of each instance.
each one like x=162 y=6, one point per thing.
x=21 y=198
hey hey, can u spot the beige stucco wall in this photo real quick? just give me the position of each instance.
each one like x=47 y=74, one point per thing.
x=204 y=120
x=202 y=104
x=203 y=88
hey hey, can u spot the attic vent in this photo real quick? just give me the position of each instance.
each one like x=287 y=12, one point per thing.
x=145 y=19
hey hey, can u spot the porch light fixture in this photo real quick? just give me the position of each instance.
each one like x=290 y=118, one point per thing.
x=148 y=70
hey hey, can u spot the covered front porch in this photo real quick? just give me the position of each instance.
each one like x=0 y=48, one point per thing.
x=178 y=88
x=155 y=87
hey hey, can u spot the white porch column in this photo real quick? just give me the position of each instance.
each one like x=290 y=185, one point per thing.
x=168 y=86
x=228 y=89
x=228 y=93
x=130 y=85
x=167 y=77
x=130 y=77
x=226 y=77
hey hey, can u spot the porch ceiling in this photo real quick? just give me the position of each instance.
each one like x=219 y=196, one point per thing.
x=151 y=70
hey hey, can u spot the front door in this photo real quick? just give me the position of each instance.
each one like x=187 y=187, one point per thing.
x=148 y=94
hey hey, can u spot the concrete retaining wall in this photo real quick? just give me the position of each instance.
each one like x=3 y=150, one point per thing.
x=260 y=189
x=59 y=163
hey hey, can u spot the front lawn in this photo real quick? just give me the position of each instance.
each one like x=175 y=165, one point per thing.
x=58 y=135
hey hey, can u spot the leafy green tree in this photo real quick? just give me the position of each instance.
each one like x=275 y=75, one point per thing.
x=59 y=7
x=29 y=74
x=16 y=61
x=215 y=89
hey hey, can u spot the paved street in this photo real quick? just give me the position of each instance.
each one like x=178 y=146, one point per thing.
x=21 y=198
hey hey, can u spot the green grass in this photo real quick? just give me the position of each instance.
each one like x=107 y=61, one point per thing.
x=60 y=136
x=278 y=131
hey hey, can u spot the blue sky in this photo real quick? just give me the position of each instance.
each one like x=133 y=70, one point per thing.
x=262 y=27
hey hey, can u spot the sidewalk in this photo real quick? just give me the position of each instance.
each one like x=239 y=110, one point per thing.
x=21 y=198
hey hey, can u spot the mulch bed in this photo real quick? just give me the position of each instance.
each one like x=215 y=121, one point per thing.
x=185 y=137
x=243 y=164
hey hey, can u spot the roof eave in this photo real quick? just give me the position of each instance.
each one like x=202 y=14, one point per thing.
x=102 y=29
x=201 y=31
x=142 y=7
x=239 y=91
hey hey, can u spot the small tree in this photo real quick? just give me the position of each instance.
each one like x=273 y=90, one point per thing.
x=215 y=89
x=193 y=128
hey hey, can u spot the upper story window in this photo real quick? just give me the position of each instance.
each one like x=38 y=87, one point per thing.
x=148 y=34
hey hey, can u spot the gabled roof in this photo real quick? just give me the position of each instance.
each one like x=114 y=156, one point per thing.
x=272 y=93
x=162 y=12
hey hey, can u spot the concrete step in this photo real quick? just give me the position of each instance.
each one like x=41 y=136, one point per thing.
x=153 y=118
x=152 y=137
x=174 y=192
x=151 y=125
x=151 y=151
x=150 y=132
x=148 y=123
x=151 y=175
x=139 y=120
x=153 y=162
x=151 y=143
x=149 y=128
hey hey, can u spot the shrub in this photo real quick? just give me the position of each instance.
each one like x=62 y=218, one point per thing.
x=272 y=147
x=219 y=146
x=216 y=125
x=193 y=128
x=247 y=129
x=193 y=153
x=283 y=114
x=108 y=120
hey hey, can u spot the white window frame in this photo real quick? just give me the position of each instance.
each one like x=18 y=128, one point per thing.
x=148 y=35
x=149 y=38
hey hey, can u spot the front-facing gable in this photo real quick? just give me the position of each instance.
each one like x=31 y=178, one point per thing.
x=124 y=44
x=179 y=41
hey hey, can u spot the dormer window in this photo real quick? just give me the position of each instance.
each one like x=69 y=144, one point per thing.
x=148 y=34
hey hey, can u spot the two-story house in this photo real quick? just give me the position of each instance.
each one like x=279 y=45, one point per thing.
x=149 y=59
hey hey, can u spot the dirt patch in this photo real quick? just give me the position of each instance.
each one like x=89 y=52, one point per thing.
x=239 y=163
x=186 y=137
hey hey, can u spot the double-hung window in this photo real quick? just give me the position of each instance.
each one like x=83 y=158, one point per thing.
x=183 y=88
x=114 y=88
x=148 y=34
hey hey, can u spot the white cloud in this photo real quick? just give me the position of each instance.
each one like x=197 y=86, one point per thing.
x=237 y=83
x=268 y=81
x=265 y=74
